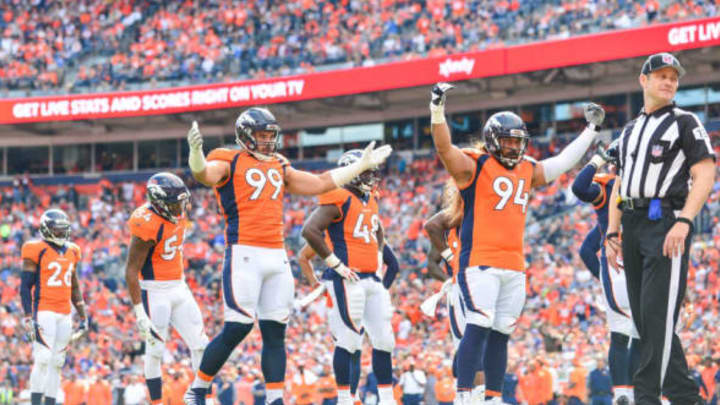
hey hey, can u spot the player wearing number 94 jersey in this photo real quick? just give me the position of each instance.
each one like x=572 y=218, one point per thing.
x=494 y=184
x=156 y=280
x=250 y=183
x=49 y=265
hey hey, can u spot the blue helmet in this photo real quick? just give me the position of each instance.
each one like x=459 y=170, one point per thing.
x=167 y=194
x=505 y=124
x=55 y=226
x=367 y=180
x=253 y=120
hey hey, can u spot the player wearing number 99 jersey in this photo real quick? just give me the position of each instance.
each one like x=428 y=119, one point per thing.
x=156 y=280
x=494 y=184
x=250 y=183
x=49 y=265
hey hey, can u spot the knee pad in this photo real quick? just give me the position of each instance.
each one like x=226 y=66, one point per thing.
x=58 y=360
x=385 y=342
x=42 y=355
x=273 y=333
x=505 y=324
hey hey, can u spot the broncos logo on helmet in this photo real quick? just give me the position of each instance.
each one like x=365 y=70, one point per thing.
x=255 y=120
x=55 y=226
x=367 y=180
x=506 y=125
x=167 y=194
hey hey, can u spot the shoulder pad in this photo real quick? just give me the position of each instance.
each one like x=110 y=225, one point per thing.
x=224 y=154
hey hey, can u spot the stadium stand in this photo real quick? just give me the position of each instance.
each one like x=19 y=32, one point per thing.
x=89 y=46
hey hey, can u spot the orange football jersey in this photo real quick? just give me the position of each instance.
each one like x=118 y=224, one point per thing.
x=496 y=200
x=353 y=236
x=603 y=180
x=54 y=267
x=251 y=198
x=164 y=261
x=453 y=242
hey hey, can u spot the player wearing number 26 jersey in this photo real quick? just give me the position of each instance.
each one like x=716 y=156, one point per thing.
x=49 y=265
x=250 y=183
x=156 y=279
x=494 y=184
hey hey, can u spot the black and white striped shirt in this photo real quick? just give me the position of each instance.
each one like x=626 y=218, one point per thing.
x=657 y=152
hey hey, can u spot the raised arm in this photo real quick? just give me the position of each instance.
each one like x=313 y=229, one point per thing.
x=551 y=168
x=459 y=165
x=206 y=173
x=305 y=183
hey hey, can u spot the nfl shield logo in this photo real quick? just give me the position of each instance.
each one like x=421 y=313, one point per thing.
x=656 y=151
x=667 y=59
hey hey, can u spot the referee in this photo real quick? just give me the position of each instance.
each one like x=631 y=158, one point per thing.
x=666 y=172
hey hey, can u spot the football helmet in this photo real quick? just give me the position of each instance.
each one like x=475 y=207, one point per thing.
x=368 y=179
x=251 y=121
x=167 y=194
x=55 y=226
x=505 y=124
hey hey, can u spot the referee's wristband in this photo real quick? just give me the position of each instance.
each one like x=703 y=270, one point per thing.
x=686 y=221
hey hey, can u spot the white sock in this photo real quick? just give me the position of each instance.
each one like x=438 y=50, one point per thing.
x=386 y=394
x=344 y=397
x=195 y=358
x=273 y=394
x=52 y=382
x=478 y=393
x=200 y=383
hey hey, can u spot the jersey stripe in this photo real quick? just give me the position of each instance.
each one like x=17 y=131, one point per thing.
x=147 y=271
x=229 y=205
x=468 y=223
x=339 y=288
x=336 y=230
x=227 y=282
x=607 y=285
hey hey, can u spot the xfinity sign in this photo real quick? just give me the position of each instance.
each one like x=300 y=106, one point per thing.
x=449 y=66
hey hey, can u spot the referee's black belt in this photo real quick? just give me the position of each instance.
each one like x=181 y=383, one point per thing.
x=631 y=204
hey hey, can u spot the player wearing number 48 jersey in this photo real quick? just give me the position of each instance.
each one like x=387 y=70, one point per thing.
x=250 y=183
x=156 y=279
x=345 y=231
x=494 y=184
x=49 y=266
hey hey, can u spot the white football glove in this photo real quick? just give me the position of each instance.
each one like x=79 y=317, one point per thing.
x=370 y=159
x=28 y=324
x=145 y=326
x=340 y=268
x=196 y=158
x=429 y=305
x=437 y=102
x=594 y=115
x=447 y=255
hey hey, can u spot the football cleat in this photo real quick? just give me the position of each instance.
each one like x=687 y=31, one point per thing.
x=194 y=396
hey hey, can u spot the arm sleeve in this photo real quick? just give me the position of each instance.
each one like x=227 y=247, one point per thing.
x=555 y=166
x=583 y=186
x=695 y=140
x=589 y=249
x=393 y=266
x=28 y=280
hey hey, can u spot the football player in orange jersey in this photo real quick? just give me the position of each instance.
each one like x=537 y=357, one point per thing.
x=156 y=278
x=249 y=184
x=495 y=184
x=443 y=230
x=345 y=231
x=49 y=265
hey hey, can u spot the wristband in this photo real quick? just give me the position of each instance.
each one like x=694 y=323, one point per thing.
x=612 y=235
x=447 y=254
x=332 y=261
x=686 y=221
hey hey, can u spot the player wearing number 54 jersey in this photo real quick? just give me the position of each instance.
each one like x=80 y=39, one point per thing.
x=156 y=279
x=494 y=184
x=49 y=265
x=250 y=183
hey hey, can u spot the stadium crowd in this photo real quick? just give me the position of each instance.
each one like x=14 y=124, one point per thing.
x=561 y=335
x=94 y=45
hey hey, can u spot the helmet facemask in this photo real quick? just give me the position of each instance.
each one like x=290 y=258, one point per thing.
x=55 y=227
x=509 y=149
